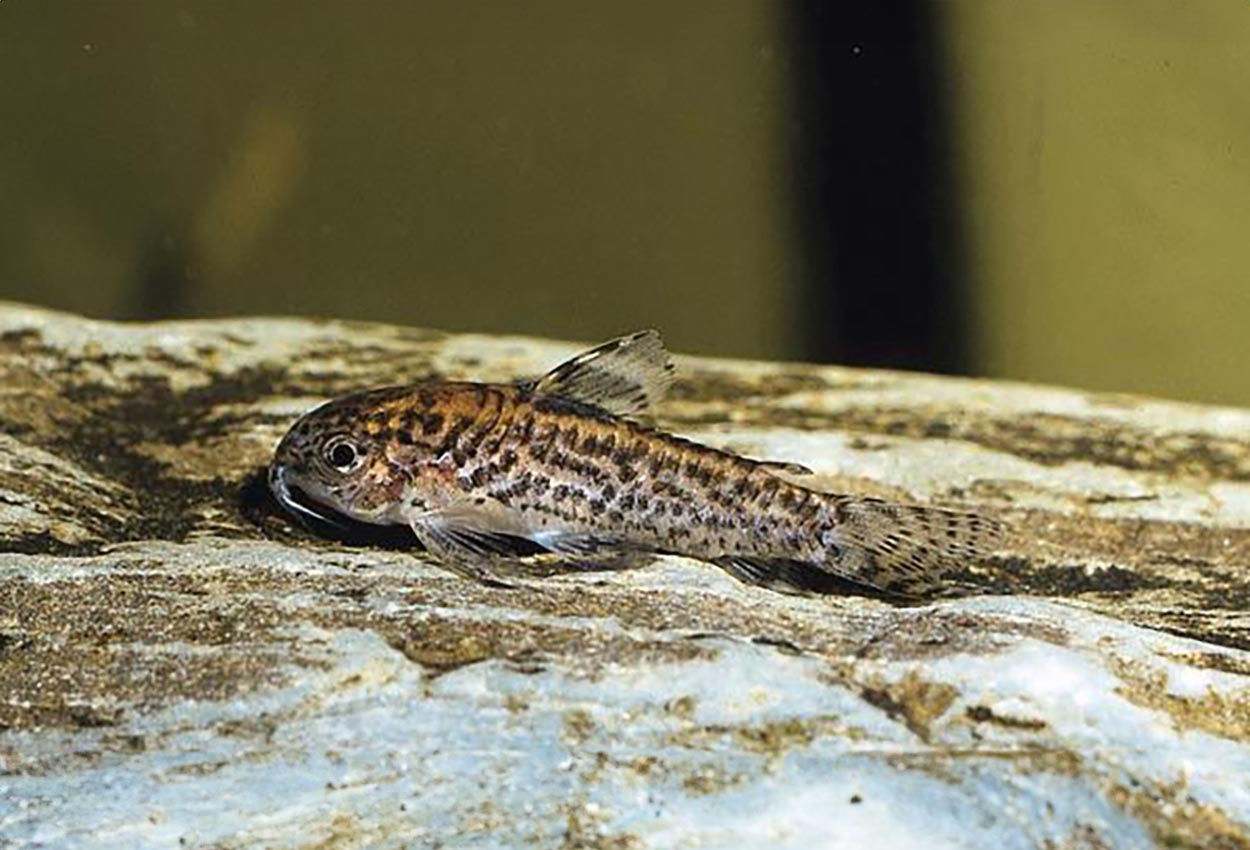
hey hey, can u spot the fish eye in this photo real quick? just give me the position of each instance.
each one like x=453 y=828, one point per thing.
x=341 y=454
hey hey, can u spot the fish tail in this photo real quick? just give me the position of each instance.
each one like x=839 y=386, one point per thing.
x=910 y=550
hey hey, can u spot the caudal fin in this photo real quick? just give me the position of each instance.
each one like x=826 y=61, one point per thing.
x=905 y=549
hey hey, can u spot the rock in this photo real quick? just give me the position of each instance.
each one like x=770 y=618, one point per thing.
x=181 y=666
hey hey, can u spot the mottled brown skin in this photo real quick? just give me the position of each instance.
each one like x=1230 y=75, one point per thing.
x=466 y=465
x=567 y=466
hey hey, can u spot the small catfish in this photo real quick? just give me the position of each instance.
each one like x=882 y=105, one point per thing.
x=484 y=474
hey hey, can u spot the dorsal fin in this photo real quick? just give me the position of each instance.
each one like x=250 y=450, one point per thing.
x=625 y=376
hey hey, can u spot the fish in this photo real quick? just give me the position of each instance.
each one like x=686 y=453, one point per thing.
x=566 y=465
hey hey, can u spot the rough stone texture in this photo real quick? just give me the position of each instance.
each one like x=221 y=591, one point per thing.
x=181 y=667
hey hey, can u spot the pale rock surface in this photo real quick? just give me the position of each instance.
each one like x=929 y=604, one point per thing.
x=181 y=667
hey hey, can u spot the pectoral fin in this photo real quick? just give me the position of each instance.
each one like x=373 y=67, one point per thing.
x=480 y=538
x=472 y=535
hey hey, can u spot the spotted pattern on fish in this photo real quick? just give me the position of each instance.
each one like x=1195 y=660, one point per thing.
x=560 y=463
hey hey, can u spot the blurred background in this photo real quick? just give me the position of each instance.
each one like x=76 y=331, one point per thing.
x=1046 y=190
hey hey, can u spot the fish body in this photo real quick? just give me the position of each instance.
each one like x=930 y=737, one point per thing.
x=560 y=464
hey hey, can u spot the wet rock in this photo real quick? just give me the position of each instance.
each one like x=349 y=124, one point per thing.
x=179 y=665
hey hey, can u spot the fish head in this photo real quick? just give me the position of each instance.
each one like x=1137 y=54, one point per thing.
x=336 y=464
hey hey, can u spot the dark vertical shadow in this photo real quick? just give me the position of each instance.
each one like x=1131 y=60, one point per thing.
x=873 y=186
x=165 y=277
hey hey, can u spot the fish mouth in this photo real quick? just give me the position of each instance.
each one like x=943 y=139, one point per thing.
x=325 y=521
x=311 y=513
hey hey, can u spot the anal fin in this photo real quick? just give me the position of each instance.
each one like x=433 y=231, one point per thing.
x=785 y=467
x=788 y=576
